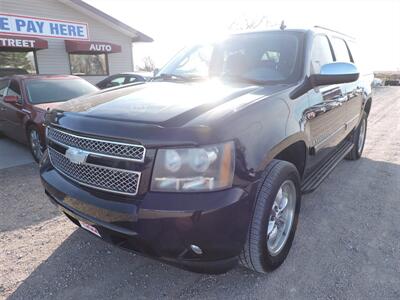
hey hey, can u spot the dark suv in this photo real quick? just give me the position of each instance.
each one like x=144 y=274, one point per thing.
x=205 y=165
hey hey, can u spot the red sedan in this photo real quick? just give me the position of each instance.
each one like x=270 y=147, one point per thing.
x=24 y=100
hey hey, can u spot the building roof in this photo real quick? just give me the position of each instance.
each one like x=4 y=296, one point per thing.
x=97 y=14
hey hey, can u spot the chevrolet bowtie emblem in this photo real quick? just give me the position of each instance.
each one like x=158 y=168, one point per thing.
x=76 y=156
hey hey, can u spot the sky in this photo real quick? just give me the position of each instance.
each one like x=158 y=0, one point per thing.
x=178 y=23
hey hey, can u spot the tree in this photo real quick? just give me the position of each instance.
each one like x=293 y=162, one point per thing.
x=247 y=23
x=148 y=64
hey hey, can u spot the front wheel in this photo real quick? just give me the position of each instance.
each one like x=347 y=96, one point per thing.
x=274 y=219
x=35 y=143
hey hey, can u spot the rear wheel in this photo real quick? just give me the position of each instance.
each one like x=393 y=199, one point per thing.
x=274 y=219
x=35 y=143
x=358 y=139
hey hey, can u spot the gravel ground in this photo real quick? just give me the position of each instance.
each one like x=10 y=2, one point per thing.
x=347 y=244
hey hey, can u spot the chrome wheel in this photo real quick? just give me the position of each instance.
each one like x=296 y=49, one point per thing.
x=35 y=144
x=281 y=218
x=361 y=137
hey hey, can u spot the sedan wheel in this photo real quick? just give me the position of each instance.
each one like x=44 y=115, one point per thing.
x=35 y=144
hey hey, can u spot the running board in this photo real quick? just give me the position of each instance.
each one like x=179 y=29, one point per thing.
x=312 y=181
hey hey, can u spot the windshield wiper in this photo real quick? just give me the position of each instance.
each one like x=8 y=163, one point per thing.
x=246 y=79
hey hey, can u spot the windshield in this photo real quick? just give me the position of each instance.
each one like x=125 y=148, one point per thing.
x=57 y=90
x=258 y=57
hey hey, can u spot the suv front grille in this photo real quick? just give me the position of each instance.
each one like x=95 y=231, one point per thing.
x=82 y=169
x=99 y=147
x=98 y=177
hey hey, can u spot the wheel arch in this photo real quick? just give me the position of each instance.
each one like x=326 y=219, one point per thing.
x=296 y=154
x=367 y=105
x=293 y=149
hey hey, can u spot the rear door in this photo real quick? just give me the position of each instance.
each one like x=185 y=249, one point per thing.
x=352 y=100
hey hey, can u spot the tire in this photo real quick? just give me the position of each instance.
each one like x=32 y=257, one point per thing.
x=358 y=139
x=37 y=153
x=257 y=254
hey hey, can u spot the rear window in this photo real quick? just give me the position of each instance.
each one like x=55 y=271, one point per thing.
x=57 y=90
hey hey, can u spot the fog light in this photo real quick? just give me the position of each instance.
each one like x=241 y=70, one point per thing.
x=196 y=249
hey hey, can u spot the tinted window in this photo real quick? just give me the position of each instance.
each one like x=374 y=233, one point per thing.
x=340 y=49
x=353 y=51
x=321 y=53
x=118 y=81
x=57 y=90
x=14 y=89
x=3 y=87
x=258 y=57
x=132 y=79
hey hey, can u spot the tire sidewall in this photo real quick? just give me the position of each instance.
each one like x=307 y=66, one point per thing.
x=268 y=261
x=30 y=129
x=357 y=153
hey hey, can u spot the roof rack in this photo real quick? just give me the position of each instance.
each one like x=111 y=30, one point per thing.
x=325 y=28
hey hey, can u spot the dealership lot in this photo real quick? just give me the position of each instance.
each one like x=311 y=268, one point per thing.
x=347 y=244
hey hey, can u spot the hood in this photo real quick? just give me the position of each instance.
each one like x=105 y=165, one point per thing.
x=163 y=103
x=47 y=106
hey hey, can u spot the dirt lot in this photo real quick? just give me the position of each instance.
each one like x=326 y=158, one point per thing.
x=347 y=244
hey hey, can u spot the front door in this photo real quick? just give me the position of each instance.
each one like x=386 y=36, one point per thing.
x=323 y=118
x=14 y=113
x=3 y=91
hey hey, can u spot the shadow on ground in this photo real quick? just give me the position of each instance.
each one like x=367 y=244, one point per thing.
x=347 y=246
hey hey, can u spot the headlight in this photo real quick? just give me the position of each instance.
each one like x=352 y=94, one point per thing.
x=206 y=168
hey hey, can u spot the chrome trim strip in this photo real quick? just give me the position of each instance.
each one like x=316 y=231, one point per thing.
x=102 y=141
x=99 y=166
x=352 y=120
x=344 y=126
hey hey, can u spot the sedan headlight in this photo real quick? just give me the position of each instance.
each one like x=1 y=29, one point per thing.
x=200 y=169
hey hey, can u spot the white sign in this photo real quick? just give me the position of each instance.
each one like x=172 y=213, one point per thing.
x=100 y=47
x=32 y=26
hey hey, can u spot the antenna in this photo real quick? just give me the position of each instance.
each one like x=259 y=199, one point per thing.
x=283 y=26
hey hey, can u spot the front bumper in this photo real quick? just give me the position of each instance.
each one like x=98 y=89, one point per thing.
x=160 y=225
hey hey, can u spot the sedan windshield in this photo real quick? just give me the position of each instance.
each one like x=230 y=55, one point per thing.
x=262 y=57
x=57 y=90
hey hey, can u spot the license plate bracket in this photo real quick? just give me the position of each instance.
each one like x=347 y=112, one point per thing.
x=90 y=228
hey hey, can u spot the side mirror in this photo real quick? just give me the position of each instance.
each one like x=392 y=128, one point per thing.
x=11 y=99
x=335 y=73
x=332 y=73
x=155 y=72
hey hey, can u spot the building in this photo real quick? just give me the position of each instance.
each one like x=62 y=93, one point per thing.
x=64 y=37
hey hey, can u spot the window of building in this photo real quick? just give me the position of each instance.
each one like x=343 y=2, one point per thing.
x=340 y=49
x=13 y=62
x=88 y=64
x=321 y=53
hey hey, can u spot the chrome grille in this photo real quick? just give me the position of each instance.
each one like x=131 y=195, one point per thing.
x=99 y=177
x=100 y=147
